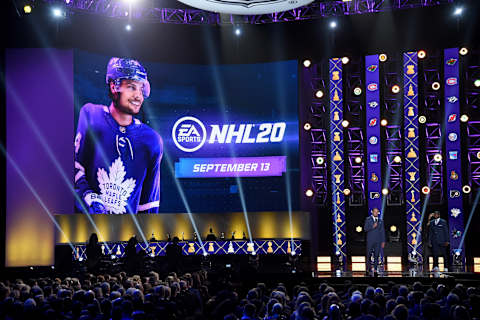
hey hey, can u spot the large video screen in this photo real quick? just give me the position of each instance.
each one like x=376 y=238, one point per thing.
x=208 y=138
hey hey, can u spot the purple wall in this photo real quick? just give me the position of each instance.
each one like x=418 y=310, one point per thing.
x=40 y=135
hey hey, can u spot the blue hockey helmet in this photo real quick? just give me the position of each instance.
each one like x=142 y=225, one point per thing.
x=127 y=69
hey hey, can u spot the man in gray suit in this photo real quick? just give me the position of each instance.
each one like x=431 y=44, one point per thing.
x=375 y=230
x=438 y=237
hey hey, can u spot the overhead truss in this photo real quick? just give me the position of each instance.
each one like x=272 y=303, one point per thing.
x=152 y=12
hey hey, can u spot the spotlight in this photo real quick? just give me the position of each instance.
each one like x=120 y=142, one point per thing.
x=464 y=118
x=393 y=228
x=358 y=159
x=67 y=1
x=422 y=119
x=435 y=85
x=345 y=60
x=466 y=189
x=345 y=123
x=463 y=51
x=113 y=257
x=27 y=9
x=309 y=193
x=357 y=91
x=57 y=13
x=383 y=57
x=396 y=89
x=426 y=190
x=126 y=13
x=346 y=191
x=320 y=161
x=205 y=254
x=128 y=27
x=80 y=259
x=307 y=126
x=383 y=122
x=53 y=267
x=437 y=157
x=384 y=191
x=294 y=252
x=307 y=63
x=319 y=94
x=152 y=255
x=238 y=32
x=476 y=83
x=421 y=54
x=359 y=229
x=333 y=25
x=397 y=159
x=458 y=11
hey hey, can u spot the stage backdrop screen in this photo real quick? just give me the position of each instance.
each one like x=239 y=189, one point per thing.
x=223 y=138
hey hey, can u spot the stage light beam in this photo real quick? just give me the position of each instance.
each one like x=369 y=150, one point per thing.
x=238 y=32
x=57 y=12
x=333 y=24
x=128 y=27
x=458 y=11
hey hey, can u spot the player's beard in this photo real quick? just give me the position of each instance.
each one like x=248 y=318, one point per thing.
x=127 y=109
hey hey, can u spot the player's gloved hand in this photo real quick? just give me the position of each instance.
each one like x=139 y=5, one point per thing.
x=95 y=203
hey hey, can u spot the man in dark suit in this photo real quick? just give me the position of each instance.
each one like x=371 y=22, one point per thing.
x=375 y=230
x=438 y=237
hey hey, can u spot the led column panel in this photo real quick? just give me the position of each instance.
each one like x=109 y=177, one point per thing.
x=453 y=148
x=374 y=166
x=412 y=173
x=337 y=158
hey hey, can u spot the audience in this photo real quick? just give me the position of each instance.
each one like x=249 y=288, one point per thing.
x=195 y=296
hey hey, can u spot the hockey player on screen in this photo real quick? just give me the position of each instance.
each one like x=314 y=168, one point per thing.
x=117 y=157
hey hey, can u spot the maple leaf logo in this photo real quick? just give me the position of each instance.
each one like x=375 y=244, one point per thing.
x=115 y=191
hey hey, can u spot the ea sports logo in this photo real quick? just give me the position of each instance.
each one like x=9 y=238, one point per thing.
x=189 y=134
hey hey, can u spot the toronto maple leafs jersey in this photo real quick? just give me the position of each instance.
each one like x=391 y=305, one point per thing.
x=118 y=164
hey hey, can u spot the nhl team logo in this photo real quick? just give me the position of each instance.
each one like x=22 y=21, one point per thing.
x=452 y=81
x=189 y=134
x=373 y=140
x=372 y=68
x=372 y=87
x=373 y=104
x=452 y=137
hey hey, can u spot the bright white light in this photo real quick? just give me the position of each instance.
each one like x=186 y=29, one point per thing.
x=345 y=123
x=307 y=63
x=458 y=11
x=293 y=253
x=67 y=1
x=309 y=192
x=57 y=12
x=128 y=27
x=238 y=31
x=384 y=191
x=333 y=25
x=345 y=60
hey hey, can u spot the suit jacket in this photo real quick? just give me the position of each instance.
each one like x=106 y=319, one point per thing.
x=438 y=234
x=374 y=234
